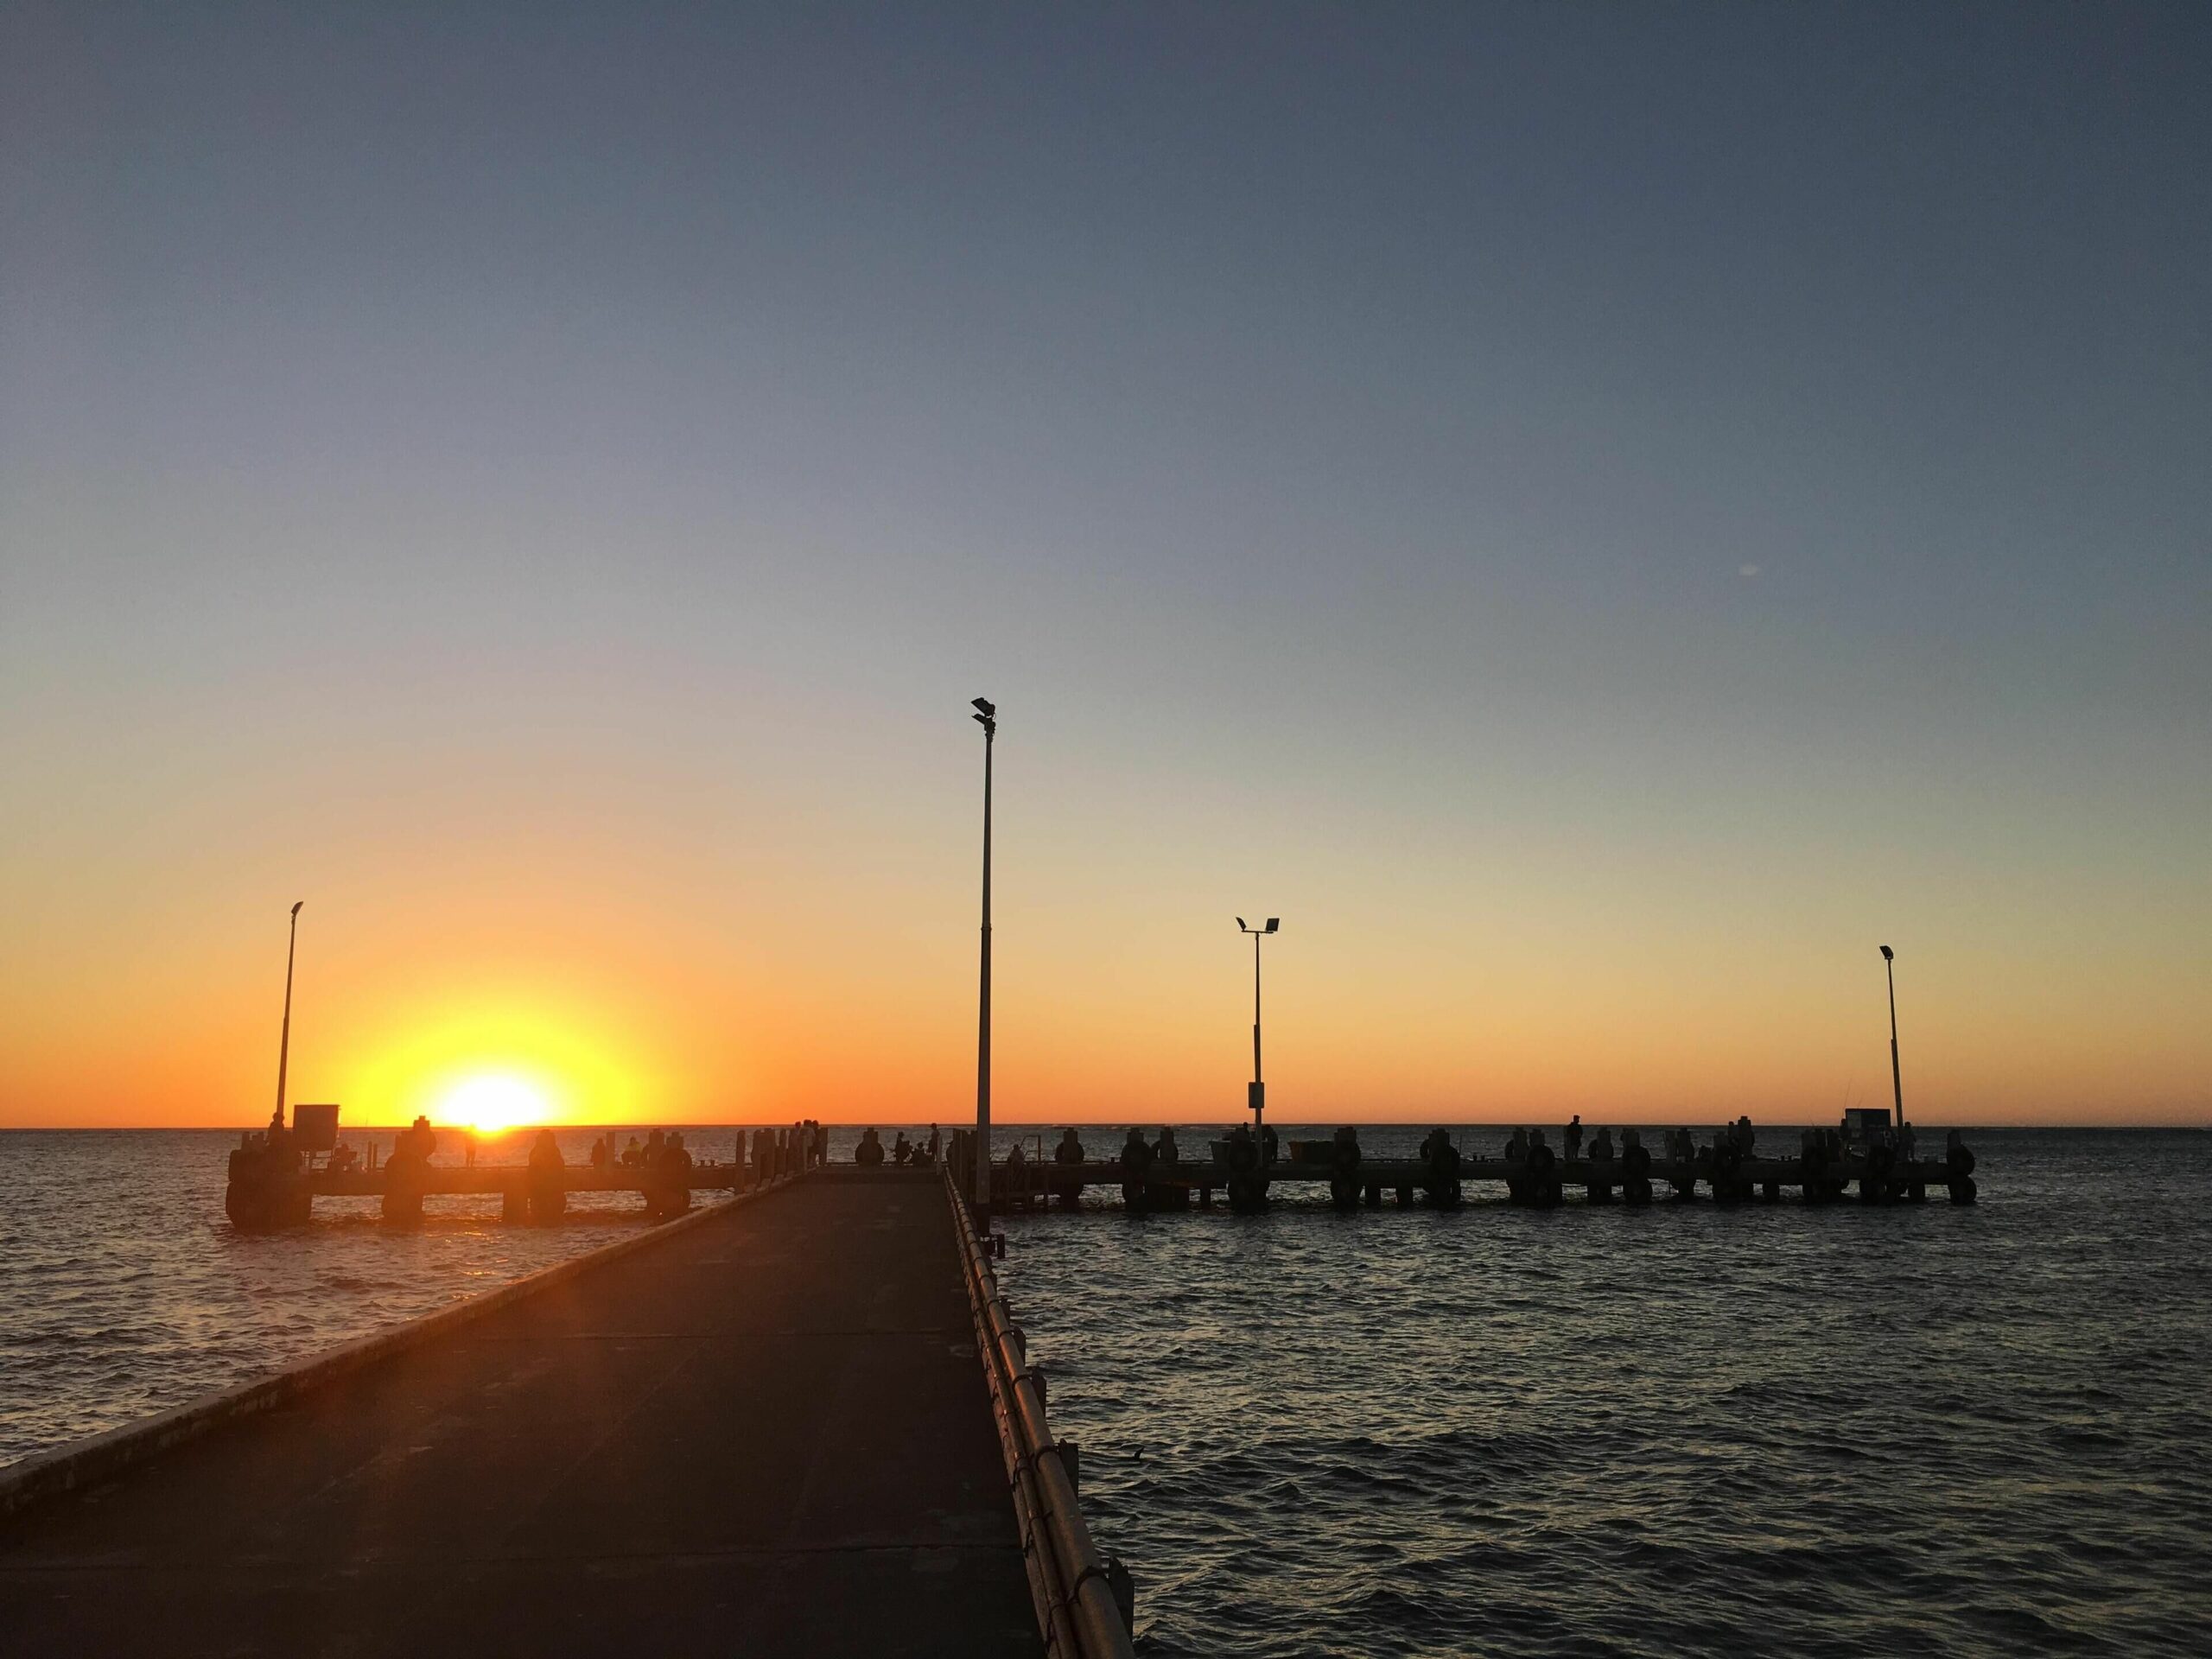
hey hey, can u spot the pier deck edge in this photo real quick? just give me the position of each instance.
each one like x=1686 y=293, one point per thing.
x=77 y=1464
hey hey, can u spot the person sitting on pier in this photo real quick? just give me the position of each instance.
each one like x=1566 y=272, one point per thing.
x=656 y=1144
x=342 y=1159
x=545 y=1151
x=1571 y=1137
x=632 y=1153
x=902 y=1150
x=1743 y=1136
x=1163 y=1149
x=869 y=1153
x=1636 y=1166
x=1070 y=1151
x=1601 y=1149
x=1540 y=1184
x=1517 y=1146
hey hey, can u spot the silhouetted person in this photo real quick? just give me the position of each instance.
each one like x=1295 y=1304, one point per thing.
x=1542 y=1184
x=1343 y=1167
x=1571 y=1137
x=902 y=1151
x=1636 y=1167
x=1136 y=1169
x=869 y=1153
x=632 y=1153
x=1601 y=1149
x=1517 y=1146
x=1070 y=1151
x=1163 y=1149
x=1248 y=1181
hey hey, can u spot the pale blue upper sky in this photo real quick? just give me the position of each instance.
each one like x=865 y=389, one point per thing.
x=1740 y=443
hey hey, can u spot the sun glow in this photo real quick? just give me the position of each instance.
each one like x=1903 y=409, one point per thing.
x=538 y=1056
x=492 y=1101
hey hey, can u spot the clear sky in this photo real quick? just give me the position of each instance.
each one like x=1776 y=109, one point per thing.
x=1599 y=516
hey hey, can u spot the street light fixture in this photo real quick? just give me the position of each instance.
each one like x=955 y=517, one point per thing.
x=986 y=715
x=285 y=1042
x=1896 y=1078
x=1257 y=1097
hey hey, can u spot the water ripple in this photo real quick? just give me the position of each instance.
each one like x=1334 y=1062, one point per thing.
x=1678 y=1431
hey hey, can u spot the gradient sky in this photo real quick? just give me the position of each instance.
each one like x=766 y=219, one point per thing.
x=1599 y=516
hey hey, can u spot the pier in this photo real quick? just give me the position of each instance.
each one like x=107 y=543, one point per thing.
x=1242 y=1175
x=274 y=1177
x=796 y=1422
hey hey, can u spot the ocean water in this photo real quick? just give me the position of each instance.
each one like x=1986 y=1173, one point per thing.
x=125 y=1289
x=1681 y=1430
x=1673 y=1431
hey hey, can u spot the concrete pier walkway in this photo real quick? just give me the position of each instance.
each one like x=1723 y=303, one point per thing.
x=769 y=1433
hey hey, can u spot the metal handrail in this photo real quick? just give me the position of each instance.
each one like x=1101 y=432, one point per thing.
x=1076 y=1608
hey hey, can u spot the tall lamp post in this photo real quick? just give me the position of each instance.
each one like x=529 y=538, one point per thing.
x=285 y=1042
x=1896 y=1078
x=1256 y=1098
x=987 y=716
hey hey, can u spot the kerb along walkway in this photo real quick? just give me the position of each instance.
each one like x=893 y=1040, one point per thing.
x=767 y=1434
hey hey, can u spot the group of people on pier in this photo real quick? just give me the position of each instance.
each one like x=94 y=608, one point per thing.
x=658 y=1147
x=870 y=1154
x=1611 y=1166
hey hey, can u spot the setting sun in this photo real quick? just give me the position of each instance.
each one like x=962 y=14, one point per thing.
x=492 y=1102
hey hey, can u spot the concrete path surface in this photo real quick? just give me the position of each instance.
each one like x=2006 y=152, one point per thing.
x=769 y=1434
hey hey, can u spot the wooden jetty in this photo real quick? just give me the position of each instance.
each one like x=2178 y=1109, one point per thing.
x=274 y=1179
x=1867 y=1174
x=796 y=1422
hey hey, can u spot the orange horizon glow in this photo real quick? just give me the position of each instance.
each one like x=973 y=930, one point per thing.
x=818 y=961
x=498 y=1041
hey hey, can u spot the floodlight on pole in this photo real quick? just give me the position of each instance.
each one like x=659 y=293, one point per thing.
x=1256 y=1098
x=284 y=1040
x=986 y=716
x=1897 y=1077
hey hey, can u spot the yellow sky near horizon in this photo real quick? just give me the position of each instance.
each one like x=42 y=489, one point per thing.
x=698 y=986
